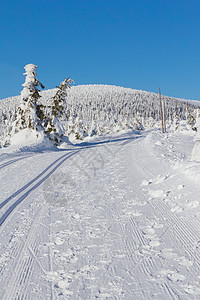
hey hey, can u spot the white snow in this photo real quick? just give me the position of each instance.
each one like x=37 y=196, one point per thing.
x=29 y=138
x=111 y=217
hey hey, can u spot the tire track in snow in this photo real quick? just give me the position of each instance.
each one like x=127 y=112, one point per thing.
x=32 y=185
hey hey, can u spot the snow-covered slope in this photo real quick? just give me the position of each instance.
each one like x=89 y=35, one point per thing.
x=93 y=92
x=103 y=102
x=102 y=109
x=115 y=216
x=109 y=219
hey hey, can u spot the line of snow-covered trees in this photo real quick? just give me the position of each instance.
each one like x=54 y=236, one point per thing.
x=84 y=111
x=34 y=116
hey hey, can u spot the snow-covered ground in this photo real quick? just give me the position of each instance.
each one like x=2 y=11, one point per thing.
x=117 y=217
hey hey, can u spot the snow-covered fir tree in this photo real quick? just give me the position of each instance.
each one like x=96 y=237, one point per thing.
x=190 y=119
x=29 y=114
x=175 y=122
x=53 y=126
x=93 y=129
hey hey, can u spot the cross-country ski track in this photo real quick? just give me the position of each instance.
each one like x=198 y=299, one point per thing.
x=114 y=218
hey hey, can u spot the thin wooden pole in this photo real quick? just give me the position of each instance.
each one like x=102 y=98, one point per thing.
x=161 y=112
x=164 y=115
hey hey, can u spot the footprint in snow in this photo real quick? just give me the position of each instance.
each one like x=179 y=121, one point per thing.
x=157 y=225
x=177 y=209
x=184 y=262
x=59 y=241
x=192 y=204
x=157 y=193
x=191 y=289
x=175 y=276
x=168 y=253
x=76 y=216
x=159 y=179
x=136 y=213
x=180 y=186
x=154 y=243
x=149 y=231
x=150 y=234
x=145 y=182
x=170 y=275
x=133 y=202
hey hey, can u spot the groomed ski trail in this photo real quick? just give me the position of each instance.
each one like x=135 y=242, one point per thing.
x=111 y=219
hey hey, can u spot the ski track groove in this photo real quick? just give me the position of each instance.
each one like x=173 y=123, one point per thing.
x=31 y=182
x=129 y=249
x=161 y=209
x=138 y=232
x=182 y=228
x=18 y=289
x=145 y=265
x=171 y=292
x=8 y=163
x=23 y=263
x=50 y=252
x=16 y=249
x=23 y=269
x=186 y=236
x=11 y=208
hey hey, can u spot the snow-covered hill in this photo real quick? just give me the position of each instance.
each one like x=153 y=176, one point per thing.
x=113 y=108
x=93 y=92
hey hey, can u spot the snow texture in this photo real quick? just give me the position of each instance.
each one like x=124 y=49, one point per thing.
x=110 y=217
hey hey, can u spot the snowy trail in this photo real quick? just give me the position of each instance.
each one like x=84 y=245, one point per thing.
x=13 y=201
x=15 y=251
x=111 y=219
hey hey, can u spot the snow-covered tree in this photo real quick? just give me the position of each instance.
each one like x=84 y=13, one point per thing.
x=29 y=114
x=190 y=119
x=93 y=129
x=175 y=122
x=53 y=126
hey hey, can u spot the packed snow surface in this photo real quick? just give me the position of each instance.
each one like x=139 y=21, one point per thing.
x=116 y=217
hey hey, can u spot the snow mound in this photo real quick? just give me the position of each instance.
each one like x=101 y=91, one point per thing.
x=28 y=139
x=157 y=193
x=196 y=151
x=176 y=149
x=190 y=168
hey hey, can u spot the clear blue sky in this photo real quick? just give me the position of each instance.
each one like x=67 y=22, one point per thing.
x=141 y=44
